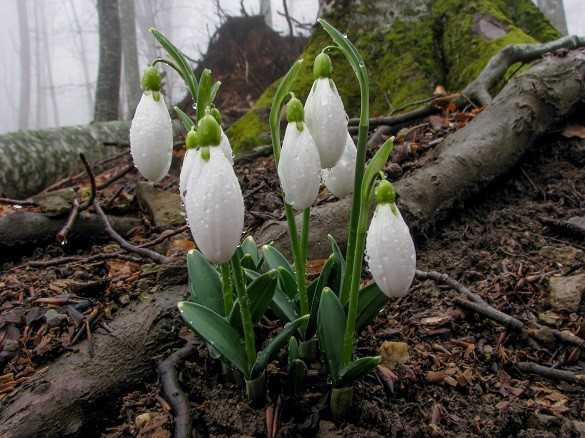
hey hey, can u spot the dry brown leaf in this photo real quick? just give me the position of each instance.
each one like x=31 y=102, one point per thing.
x=574 y=131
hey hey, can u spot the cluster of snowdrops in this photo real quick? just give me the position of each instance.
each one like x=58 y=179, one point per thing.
x=233 y=283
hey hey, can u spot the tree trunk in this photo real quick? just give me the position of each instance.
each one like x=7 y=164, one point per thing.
x=107 y=94
x=82 y=54
x=41 y=101
x=130 y=55
x=48 y=65
x=25 y=62
x=409 y=47
x=555 y=12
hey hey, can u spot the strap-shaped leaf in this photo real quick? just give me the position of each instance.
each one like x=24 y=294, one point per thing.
x=204 y=92
x=247 y=262
x=331 y=327
x=274 y=345
x=370 y=301
x=283 y=306
x=249 y=246
x=274 y=259
x=374 y=167
x=293 y=351
x=180 y=61
x=214 y=91
x=288 y=283
x=185 y=119
x=217 y=332
x=204 y=282
x=322 y=282
x=358 y=368
x=260 y=293
x=339 y=263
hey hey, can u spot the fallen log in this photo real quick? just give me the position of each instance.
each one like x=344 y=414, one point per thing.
x=76 y=392
x=468 y=160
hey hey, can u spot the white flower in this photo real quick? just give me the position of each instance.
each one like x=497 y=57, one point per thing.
x=151 y=137
x=340 y=178
x=215 y=207
x=299 y=168
x=192 y=164
x=327 y=121
x=390 y=251
x=226 y=147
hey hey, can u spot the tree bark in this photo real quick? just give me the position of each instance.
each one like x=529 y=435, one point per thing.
x=107 y=94
x=25 y=63
x=130 y=55
x=75 y=394
x=468 y=160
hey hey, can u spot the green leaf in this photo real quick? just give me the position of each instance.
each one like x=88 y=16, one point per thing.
x=274 y=345
x=204 y=92
x=251 y=274
x=339 y=261
x=331 y=327
x=260 y=293
x=249 y=246
x=282 y=91
x=375 y=166
x=370 y=301
x=287 y=282
x=214 y=90
x=180 y=61
x=247 y=261
x=283 y=306
x=358 y=368
x=217 y=332
x=204 y=282
x=293 y=351
x=185 y=119
x=274 y=259
x=322 y=282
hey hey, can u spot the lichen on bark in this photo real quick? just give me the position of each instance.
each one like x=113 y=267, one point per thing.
x=409 y=47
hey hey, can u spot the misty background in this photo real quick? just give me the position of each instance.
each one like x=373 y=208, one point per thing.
x=63 y=47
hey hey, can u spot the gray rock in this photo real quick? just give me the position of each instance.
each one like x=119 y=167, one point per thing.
x=54 y=318
x=163 y=207
x=55 y=203
x=566 y=292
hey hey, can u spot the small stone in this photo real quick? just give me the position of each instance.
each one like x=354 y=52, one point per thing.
x=578 y=221
x=566 y=292
x=55 y=203
x=54 y=318
x=550 y=318
x=394 y=353
x=163 y=207
x=142 y=420
x=565 y=255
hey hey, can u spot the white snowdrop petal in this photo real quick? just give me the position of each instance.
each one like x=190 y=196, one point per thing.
x=326 y=118
x=390 y=252
x=215 y=208
x=340 y=178
x=192 y=164
x=151 y=138
x=226 y=147
x=299 y=168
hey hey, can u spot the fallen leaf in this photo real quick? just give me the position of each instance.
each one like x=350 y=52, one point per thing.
x=574 y=131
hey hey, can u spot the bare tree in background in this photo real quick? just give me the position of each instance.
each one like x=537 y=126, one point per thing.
x=40 y=101
x=266 y=10
x=555 y=12
x=130 y=55
x=48 y=63
x=24 y=107
x=107 y=93
x=82 y=54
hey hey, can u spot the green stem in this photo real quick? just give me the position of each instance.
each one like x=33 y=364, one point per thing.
x=249 y=336
x=305 y=235
x=298 y=260
x=228 y=294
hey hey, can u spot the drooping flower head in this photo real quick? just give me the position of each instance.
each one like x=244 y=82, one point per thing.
x=299 y=167
x=324 y=113
x=189 y=161
x=224 y=144
x=340 y=178
x=389 y=247
x=151 y=131
x=214 y=201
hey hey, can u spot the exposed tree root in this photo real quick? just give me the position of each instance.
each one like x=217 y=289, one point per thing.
x=552 y=373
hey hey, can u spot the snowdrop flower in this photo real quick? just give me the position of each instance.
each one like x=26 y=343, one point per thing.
x=214 y=201
x=340 y=178
x=151 y=131
x=224 y=144
x=389 y=247
x=325 y=114
x=191 y=162
x=299 y=167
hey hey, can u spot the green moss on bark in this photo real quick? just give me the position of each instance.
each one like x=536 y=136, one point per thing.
x=408 y=48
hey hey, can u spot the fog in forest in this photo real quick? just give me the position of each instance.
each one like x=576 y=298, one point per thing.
x=52 y=45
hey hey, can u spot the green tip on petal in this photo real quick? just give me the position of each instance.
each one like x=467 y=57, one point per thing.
x=322 y=68
x=151 y=79
x=385 y=193
x=209 y=131
x=192 y=139
x=205 y=153
x=216 y=115
x=294 y=110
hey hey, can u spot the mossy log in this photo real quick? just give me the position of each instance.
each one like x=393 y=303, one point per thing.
x=410 y=47
x=78 y=391
x=471 y=158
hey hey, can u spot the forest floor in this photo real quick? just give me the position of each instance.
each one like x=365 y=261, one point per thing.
x=458 y=376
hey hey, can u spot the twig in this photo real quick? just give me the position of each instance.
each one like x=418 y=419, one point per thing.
x=174 y=394
x=491 y=313
x=62 y=235
x=164 y=236
x=478 y=90
x=552 y=373
x=445 y=279
x=116 y=177
x=24 y=203
x=400 y=118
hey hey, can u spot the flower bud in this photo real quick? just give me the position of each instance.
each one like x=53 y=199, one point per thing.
x=216 y=115
x=151 y=79
x=151 y=137
x=299 y=168
x=192 y=139
x=322 y=67
x=326 y=119
x=215 y=208
x=340 y=178
x=385 y=193
x=390 y=250
x=294 y=110
x=209 y=131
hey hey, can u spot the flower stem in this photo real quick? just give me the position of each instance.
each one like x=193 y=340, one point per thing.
x=249 y=336
x=305 y=235
x=298 y=259
x=228 y=294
